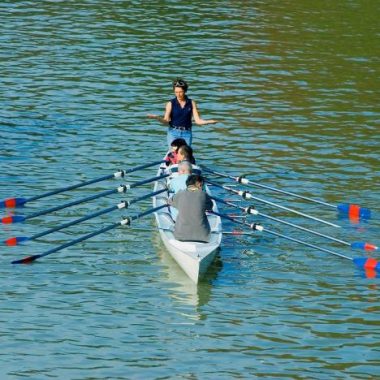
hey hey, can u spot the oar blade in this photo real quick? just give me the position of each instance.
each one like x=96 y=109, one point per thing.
x=354 y=211
x=16 y=240
x=367 y=263
x=26 y=260
x=12 y=219
x=363 y=245
x=12 y=202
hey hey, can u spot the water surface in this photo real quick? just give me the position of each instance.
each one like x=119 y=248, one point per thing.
x=295 y=86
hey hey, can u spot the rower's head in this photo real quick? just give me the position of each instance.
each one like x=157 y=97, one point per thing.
x=180 y=88
x=180 y=84
x=195 y=180
x=185 y=167
x=185 y=152
x=177 y=143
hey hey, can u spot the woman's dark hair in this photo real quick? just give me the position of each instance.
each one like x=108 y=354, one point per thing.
x=187 y=152
x=193 y=179
x=178 y=142
x=180 y=83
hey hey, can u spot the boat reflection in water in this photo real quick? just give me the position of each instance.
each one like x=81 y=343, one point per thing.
x=184 y=290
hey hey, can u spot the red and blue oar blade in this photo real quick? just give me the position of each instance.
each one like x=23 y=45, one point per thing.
x=354 y=211
x=13 y=202
x=367 y=263
x=363 y=245
x=16 y=240
x=12 y=219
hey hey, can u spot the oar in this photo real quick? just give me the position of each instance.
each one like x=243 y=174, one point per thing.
x=125 y=204
x=361 y=262
x=352 y=210
x=251 y=210
x=124 y=222
x=248 y=195
x=121 y=189
x=14 y=202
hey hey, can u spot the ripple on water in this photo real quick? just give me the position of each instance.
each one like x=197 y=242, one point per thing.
x=295 y=91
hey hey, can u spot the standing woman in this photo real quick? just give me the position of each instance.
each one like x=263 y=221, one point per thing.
x=179 y=113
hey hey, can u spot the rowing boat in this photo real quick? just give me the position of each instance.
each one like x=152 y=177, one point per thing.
x=193 y=257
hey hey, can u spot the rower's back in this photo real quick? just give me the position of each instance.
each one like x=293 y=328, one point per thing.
x=192 y=223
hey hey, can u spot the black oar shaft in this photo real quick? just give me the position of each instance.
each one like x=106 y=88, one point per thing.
x=13 y=202
x=120 y=189
x=72 y=187
x=73 y=203
x=118 y=174
x=74 y=222
x=78 y=240
x=121 y=205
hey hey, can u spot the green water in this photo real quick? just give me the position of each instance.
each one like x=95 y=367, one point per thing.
x=295 y=86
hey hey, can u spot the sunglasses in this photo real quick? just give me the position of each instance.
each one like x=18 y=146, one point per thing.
x=179 y=83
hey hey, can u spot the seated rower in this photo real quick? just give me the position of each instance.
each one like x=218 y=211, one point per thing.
x=179 y=182
x=185 y=153
x=192 y=223
x=171 y=157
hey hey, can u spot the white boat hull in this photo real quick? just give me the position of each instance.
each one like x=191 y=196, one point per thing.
x=193 y=257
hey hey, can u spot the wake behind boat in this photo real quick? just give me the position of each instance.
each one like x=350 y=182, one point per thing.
x=193 y=257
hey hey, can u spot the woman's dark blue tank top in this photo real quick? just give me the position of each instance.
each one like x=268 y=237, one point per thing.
x=181 y=117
